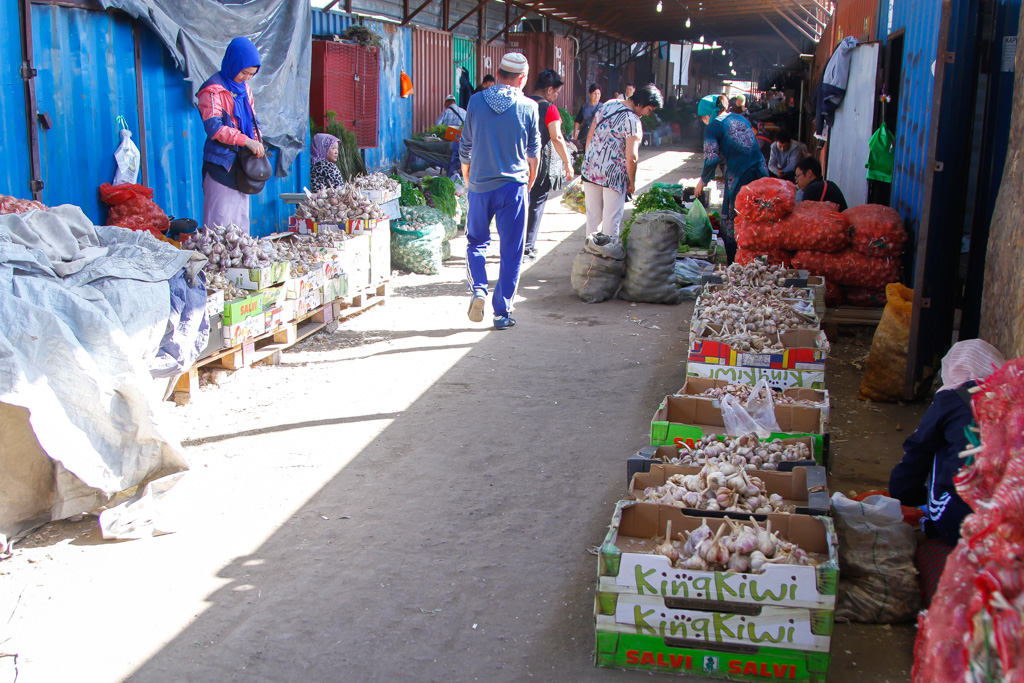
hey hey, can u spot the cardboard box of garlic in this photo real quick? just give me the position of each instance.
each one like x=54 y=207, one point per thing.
x=786 y=561
x=699 y=420
x=686 y=658
x=797 y=629
x=725 y=490
x=715 y=389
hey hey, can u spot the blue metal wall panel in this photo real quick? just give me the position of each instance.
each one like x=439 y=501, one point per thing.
x=86 y=79
x=330 y=23
x=920 y=20
x=15 y=171
x=395 y=113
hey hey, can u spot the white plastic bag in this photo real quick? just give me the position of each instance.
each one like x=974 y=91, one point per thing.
x=761 y=406
x=757 y=416
x=877 y=578
x=127 y=156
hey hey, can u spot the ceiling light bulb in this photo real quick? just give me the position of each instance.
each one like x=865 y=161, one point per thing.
x=659 y=6
x=730 y=63
x=734 y=72
x=687 y=22
x=702 y=40
x=723 y=53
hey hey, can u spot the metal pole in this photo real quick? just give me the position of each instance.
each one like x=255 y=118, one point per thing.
x=28 y=74
x=140 y=97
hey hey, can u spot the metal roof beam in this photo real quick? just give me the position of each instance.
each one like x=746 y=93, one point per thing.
x=781 y=34
x=416 y=11
x=468 y=14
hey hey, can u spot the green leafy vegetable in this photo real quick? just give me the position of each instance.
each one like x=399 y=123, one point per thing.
x=655 y=199
x=441 y=192
x=350 y=159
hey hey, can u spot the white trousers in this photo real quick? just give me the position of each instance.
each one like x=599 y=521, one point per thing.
x=604 y=209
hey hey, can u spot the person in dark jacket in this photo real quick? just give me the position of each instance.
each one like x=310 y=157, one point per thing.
x=484 y=84
x=813 y=188
x=585 y=116
x=931 y=456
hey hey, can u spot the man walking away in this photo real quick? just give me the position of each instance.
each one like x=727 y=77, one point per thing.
x=553 y=148
x=499 y=153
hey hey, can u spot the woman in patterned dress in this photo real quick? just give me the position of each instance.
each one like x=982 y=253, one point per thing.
x=730 y=140
x=613 y=151
x=324 y=172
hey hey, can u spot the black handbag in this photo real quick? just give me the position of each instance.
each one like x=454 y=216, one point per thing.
x=253 y=172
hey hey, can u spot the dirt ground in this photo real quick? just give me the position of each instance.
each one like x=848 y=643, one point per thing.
x=413 y=497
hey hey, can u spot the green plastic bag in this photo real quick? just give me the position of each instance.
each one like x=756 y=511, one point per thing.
x=698 y=226
x=419 y=249
x=881 y=155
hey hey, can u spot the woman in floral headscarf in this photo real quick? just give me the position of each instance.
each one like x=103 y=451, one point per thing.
x=324 y=171
x=226 y=106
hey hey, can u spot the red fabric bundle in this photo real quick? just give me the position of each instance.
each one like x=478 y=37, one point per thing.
x=132 y=206
x=833 y=294
x=861 y=297
x=773 y=257
x=877 y=230
x=766 y=199
x=812 y=226
x=14 y=205
x=849 y=268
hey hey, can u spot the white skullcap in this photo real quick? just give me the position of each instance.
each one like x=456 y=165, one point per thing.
x=514 y=63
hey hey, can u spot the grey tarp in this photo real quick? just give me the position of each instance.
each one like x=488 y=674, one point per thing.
x=196 y=32
x=83 y=311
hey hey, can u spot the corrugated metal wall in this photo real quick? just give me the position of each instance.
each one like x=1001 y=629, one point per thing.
x=920 y=20
x=395 y=113
x=15 y=171
x=464 y=55
x=856 y=18
x=490 y=56
x=432 y=74
x=86 y=79
x=327 y=24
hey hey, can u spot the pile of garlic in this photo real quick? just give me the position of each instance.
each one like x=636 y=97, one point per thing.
x=227 y=247
x=378 y=181
x=746 y=549
x=335 y=205
x=716 y=487
x=745 y=452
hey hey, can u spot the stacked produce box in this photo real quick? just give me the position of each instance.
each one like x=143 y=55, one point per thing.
x=858 y=251
x=723 y=561
x=757 y=321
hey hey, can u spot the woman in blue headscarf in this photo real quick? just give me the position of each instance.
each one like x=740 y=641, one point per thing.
x=728 y=139
x=226 y=105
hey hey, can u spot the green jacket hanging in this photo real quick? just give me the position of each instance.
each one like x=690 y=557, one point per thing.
x=881 y=155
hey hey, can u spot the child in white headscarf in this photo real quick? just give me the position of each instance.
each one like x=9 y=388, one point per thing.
x=931 y=456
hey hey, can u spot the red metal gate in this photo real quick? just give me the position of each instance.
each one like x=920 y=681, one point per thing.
x=344 y=80
x=432 y=67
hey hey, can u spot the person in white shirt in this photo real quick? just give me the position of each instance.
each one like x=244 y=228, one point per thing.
x=453 y=114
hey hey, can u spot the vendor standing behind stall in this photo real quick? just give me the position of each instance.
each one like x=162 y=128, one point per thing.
x=728 y=139
x=324 y=171
x=226 y=105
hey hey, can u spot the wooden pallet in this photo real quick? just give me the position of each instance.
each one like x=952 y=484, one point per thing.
x=834 y=317
x=266 y=348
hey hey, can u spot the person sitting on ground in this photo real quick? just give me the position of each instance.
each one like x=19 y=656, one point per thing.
x=485 y=84
x=453 y=114
x=931 y=456
x=323 y=171
x=785 y=154
x=813 y=188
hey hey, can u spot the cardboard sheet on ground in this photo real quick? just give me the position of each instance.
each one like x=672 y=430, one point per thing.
x=83 y=312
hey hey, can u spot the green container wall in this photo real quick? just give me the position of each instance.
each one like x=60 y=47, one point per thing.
x=465 y=56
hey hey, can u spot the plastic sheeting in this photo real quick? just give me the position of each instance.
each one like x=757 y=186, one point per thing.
x=83 y=312
x=196 y=32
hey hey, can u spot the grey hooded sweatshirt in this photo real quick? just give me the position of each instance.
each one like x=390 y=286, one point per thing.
x=501 y=132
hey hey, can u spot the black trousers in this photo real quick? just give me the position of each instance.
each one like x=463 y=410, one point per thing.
x=534 y=213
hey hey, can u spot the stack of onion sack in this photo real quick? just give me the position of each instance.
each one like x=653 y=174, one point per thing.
x=132 y=207
x=974 y=629
x=14 y=205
